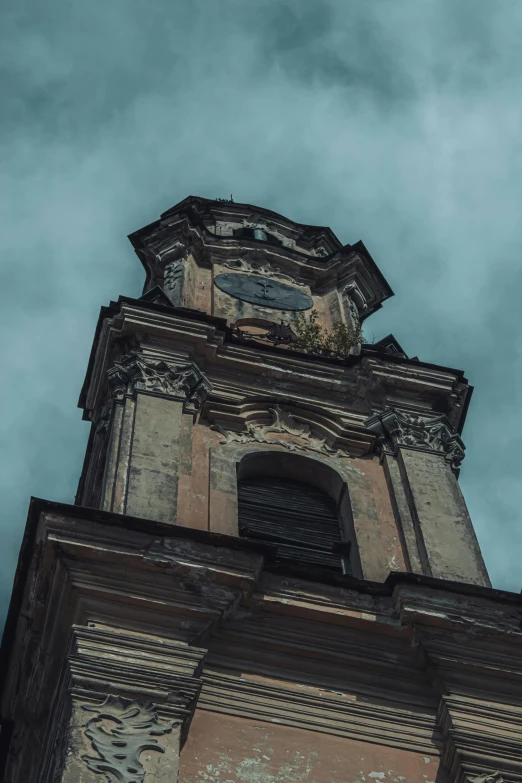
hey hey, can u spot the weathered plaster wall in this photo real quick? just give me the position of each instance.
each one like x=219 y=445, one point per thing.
x=168 y=468
x=225 y=749
x=154 y=459
x=207 y=496
x=202 y=290
x=442 y=518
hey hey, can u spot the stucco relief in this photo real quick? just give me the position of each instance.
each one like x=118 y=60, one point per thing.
x=266 y=270
x=183 y=382
x=119 y=746
x=487 y=777
x=400 y=428
x=303 y=438
x=173 y=276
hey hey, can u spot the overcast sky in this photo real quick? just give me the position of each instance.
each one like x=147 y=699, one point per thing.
x=397 y=122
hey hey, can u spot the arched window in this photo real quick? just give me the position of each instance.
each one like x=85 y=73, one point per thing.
x=302 y=519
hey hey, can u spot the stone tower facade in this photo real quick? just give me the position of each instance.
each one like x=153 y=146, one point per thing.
x=269 y=572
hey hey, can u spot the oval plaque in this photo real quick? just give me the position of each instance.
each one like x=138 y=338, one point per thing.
x=263 y=292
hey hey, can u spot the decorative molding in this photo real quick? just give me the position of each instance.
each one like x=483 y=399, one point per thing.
x=266 y=270
x=356 y=300
x=180 y=382
x=87 y=568
x=354 y=304
x=283 y=422
x=103 y=420
x=55 y=748
x=354 y=312
x=173 y=275
x=321 y=709
x=149 y=665
x=411 y=430
x=119 y=747
x=276 y=334
x=351 y=307
x=193 y=560
x=486 y=777
x=478 y=726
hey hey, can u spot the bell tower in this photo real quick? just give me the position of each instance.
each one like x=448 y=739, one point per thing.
x=269 y=571
x=206 y=379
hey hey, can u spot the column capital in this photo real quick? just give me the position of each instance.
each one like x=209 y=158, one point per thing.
x=183 y=382
x=397 y=428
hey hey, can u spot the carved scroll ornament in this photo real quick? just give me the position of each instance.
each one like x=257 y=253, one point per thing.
x=119 y=746
x=487 y=777
x=266 y=270
x=400 y=428
x=283 y=422
x=181 y=382
x=173 y=275
x=351 y=306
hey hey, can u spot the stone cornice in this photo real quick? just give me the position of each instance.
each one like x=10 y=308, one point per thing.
x=102 y=657
x=170 y=335
x=326 y=710
x=91 y=580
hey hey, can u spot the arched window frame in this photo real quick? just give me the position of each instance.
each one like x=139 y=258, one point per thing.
x=307 y=472
x=226 y=467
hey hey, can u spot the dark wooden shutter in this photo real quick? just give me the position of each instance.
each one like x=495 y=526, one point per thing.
x=300 y=519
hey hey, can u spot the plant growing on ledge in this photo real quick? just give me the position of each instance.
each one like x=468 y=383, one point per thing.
x=313 y=338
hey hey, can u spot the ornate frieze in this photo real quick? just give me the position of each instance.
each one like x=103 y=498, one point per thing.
x=354 y=312
x=265 y=270
x=181 y=382
x=411 y=430
x=119 y=746
x=303 y=438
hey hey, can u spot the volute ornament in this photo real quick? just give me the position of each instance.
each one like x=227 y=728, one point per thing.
x=119 y=746
x=173 y=279
x=283 y=422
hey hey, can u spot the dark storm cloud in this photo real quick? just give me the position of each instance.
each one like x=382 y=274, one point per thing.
x=302 y=39
x=394 y=121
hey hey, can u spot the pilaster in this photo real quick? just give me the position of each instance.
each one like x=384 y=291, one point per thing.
x=150 y=397
x=110 y=635
x=421 y=453
x=124 y=709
